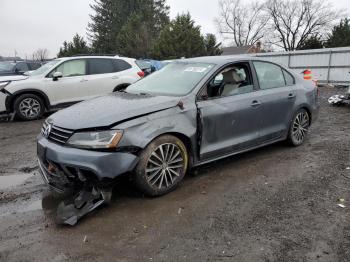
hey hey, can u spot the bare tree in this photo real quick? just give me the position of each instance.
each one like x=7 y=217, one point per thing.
x=41 y=54
x=294 y=21
x=244 y=23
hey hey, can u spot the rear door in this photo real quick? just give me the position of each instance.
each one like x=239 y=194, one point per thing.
x=106 y=74
x=229 y=112
x=102 y=76
x=277 y=95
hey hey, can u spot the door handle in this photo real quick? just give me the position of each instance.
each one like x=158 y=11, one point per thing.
x=255 y=103
x=291 y=96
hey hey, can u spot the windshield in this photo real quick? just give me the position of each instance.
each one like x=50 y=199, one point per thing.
x=6 y=66
x=176 y=79
x=44 y=68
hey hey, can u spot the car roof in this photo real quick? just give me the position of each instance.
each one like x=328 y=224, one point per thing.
x=93 y=56
x=219 y=60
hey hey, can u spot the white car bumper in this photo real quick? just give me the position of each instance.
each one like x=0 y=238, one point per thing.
x=2 y=102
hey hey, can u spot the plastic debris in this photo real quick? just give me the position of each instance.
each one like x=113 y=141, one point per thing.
x=179 y=211
x=85 y=239
x=69 y=212
x=341 y=205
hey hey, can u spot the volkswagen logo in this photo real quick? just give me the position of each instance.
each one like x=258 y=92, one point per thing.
x=47 y=130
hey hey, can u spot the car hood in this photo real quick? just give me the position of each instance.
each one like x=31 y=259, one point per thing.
x=108 y=110
x=12 y=78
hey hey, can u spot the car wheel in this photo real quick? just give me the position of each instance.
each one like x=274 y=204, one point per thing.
x=162 y=166
x=28 y=107
x=299 y=128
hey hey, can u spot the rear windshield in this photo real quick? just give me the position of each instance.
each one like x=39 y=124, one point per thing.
x=143 y=64
x=176 y=79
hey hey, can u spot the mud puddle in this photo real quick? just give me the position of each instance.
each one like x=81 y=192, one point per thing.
x=7 y=182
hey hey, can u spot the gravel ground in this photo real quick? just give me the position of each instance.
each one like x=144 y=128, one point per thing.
x=277 y=203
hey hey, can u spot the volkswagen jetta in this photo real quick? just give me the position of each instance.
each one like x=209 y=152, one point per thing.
x=191 y=112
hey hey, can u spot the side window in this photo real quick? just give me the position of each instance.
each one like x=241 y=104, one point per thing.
x=269 y=75
x=233 y=80
x=101 y=66
x=22 y=67
x=121 y=65
x=289 y=78
x=71 y=68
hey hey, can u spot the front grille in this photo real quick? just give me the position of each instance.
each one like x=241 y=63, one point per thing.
x=57 y=134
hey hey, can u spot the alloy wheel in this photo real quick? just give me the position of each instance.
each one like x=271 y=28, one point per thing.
x=300 y=126
x=164 y=166
x=30 y=107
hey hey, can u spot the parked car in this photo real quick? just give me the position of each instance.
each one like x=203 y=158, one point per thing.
x=149 y=66
x=65 y=81
x=191 y=112
x=17 y=68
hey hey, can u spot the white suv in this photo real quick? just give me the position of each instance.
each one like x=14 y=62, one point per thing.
x=65 y=81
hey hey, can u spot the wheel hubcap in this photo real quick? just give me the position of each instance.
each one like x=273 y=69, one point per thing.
x=164 y=166
x=29 y=107
x=300 y=126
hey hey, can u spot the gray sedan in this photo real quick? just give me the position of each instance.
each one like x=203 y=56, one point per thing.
x=191 y=112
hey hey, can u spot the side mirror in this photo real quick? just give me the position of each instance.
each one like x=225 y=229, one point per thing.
x=56 y=76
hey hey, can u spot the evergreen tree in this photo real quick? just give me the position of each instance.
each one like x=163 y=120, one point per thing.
x=135 y=38
x=212 y=48
x=181 y=38
x=340 y=35
x=313 y=42
x=112 y=15
x=77 y=46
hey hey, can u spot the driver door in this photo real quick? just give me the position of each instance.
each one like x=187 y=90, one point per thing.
x=229 y=113
x=72 y=86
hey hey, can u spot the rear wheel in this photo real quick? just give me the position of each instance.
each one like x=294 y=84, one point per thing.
x=28 y=107
x=162 y=166
x=299 y=128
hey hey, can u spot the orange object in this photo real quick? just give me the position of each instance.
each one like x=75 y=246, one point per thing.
x=307 y=74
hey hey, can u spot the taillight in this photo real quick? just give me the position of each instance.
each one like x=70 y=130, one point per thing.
x=141 y=74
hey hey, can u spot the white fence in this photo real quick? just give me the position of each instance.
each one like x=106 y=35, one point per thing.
x=331 y=65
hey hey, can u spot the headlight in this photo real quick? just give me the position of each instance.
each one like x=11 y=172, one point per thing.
x=3 y=85
x=96 y=140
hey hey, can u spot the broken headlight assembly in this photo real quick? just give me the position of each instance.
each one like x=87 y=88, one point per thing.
x=96 y=139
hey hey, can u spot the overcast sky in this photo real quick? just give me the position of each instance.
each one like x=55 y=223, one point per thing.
x=26 y=25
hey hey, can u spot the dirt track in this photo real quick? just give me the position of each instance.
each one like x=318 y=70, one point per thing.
x=273 y=204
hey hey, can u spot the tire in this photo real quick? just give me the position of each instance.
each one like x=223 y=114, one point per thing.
x=29 y=107
x=153 y=175
x=299 y=128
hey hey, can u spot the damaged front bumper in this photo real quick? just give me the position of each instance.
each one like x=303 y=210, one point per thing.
x=65 y=168
x=88 y=176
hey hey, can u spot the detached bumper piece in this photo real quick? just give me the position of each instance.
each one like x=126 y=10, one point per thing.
x=88 y=197
x=83 y=203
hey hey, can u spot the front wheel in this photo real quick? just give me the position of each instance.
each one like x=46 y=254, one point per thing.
x=299 y=128
x=28 y=107
x=162 y=166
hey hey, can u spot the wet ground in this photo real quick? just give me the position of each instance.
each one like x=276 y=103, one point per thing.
x=273 y=204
